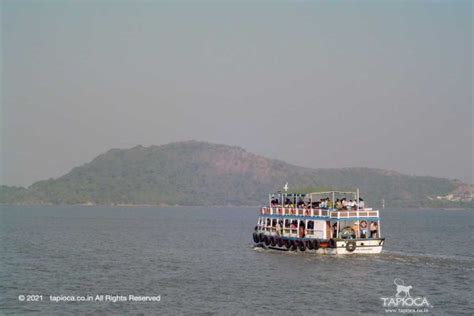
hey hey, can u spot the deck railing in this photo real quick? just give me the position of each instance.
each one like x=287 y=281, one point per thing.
x=359 y=213
x=317 y=212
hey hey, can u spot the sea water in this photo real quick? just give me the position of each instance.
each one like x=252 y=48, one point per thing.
x=95 y=260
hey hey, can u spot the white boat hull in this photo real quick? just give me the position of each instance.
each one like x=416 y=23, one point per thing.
x=363 y=246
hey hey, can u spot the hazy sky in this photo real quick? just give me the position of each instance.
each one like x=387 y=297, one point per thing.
x=384 y=84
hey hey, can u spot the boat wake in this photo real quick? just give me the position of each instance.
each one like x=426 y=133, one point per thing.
x=431 y=260
x=394 y=257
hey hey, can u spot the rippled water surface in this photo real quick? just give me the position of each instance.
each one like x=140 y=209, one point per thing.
x=201 y=260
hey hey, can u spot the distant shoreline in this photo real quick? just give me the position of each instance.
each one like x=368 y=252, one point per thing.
x=130 y=205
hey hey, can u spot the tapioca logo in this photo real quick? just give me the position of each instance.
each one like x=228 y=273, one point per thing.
x=403 y=302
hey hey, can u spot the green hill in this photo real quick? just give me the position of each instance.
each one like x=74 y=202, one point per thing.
x=198 y=173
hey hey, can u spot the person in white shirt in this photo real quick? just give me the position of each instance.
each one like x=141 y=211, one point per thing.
x=351 y=205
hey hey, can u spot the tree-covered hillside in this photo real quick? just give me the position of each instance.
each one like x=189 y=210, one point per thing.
x=198 y=173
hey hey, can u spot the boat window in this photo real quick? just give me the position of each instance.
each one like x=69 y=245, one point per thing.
x=310 y=225
x=268 y=222
x=287 y=223
x=274 y=222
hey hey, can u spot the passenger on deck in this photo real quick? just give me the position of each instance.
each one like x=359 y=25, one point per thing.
x=363 y=229
x=351 y=205
x=274 y=203
x=293 y=225
x=300 y=203
x=373 y=229
x=278 y=229
x=302 y=230
x=361 y=203
x=334 y=230
x=344 y=203
x=355 y=227
x=338 y=205
x=329 y=203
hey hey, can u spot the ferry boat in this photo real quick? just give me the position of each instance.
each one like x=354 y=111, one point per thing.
x=319 y=222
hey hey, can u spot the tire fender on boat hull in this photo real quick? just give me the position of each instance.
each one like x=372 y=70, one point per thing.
x=294 y=245
x=351 y=246
x=255 y=238
x=301 y=245
x=266 y=240
x=272 y=241
x=280 y=242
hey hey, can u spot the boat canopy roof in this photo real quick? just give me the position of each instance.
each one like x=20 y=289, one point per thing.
x=282 y=197
x=302 y=194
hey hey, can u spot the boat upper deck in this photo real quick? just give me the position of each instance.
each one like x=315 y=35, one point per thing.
x=332 y=205
x=321 y=213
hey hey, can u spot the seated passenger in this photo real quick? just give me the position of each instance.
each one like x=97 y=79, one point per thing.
x=355 y=227
x=373 y=229
x=338 y=205
x=350 y=205
x=329 y=203
x=344 y=203
x=322 y=203
x=363 y=229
